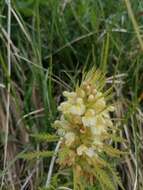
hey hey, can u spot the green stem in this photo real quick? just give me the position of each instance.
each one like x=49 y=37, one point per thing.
x=74 y=178
x=134 y=22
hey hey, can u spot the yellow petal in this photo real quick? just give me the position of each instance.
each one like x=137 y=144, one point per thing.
x=90 y=152
x=70 y=138
x=81 y=149
x=89 y=119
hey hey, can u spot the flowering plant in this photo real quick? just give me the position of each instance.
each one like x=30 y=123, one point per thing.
x=87 y=130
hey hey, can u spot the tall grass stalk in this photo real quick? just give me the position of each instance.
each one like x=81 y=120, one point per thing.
x=8 y=85
x=134 y=22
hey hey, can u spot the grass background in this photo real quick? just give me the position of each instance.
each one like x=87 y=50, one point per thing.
x=52 y=41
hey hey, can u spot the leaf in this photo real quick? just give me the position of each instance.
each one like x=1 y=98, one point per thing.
x=104 y=178
x=33 y=155
x=115 y=138
x=114 y=174
x=46 y=137
x=112 y=151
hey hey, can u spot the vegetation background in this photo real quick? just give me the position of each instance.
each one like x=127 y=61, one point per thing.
x=50 y=43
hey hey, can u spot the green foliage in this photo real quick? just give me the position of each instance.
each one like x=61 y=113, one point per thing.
x=45 y=137
x=36 y=155
x=113 y=152
x=104 y=179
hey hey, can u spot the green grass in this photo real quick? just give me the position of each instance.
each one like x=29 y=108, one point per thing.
x=52 y=42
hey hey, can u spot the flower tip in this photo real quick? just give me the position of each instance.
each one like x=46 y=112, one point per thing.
x=91 y=98
x=70 y=138
x=111 y=108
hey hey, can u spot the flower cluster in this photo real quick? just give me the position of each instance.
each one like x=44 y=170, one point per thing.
x=85 y=123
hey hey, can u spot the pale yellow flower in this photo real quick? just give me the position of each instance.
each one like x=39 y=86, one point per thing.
x=85 y=124
x=64 y=107
x=100 y=104
x=77 y=119
x=61 y=132
x=111 y=108
x=76 y=107
x=98 y=143
x=69 y=95
x=98 y=130
x=57 y=123
x=89 y=118
x=62 y=123
x=69 y=138
x=90 y=152
x=91 y=98
x=82 y=149
x=80 y=93
x=100 y=127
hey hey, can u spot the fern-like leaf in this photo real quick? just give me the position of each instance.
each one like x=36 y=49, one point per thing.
x=46 y=137
x=104 y=179
x=33 y=155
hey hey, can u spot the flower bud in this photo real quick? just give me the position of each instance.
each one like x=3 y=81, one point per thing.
x=90 y=98
x=69 y=137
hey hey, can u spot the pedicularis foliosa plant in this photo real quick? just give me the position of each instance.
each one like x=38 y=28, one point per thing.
x=89 y=136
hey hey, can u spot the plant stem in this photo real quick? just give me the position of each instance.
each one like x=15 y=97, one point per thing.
x=52 y=164
x=8 y=86
x=134 y=22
